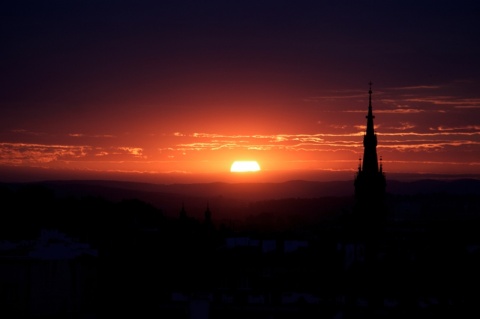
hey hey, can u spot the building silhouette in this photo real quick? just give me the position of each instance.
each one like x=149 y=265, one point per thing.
x=364 y=231
x=370 y=182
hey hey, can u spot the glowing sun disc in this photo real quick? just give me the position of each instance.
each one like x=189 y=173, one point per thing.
x=244 y=166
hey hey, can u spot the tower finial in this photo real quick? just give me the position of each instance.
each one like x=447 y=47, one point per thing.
x=370 y=93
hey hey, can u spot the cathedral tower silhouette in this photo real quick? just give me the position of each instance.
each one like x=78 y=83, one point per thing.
x=370 y=182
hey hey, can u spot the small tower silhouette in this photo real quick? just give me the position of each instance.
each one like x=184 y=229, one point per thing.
x=370 y=182
x=183 y=212
x=208 y=223
x=208 y=215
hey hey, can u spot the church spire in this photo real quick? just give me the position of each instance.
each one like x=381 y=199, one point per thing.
x=370 y=117
x=370 y=161
x=370 y=180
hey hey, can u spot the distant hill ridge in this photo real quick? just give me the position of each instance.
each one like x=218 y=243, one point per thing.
x=255 y=191
x=238 y=200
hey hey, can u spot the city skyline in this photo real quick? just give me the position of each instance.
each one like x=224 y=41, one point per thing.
x=174 y=91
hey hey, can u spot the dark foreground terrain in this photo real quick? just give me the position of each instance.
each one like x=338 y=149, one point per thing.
x=97 y=249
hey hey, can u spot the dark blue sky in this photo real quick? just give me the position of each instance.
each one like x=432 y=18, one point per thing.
x=80 y=45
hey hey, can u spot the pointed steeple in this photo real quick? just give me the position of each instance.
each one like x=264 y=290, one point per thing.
x=370 y=161
x=370 y=180
x=370 y=116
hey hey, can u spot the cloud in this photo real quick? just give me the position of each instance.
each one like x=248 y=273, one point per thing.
x=392 y=111
x=135 y=151
x=474 y=128
x=31 y=153
x=401 y=138
x=402 y=100
x=467 y=106
x=438 y=100
x=402 y=126
x=94 y=136
x=286 y=142
x=425 y=145
x=416 y=87
x=296 y=141
x=19 y=153
x=339 y=127
x=334 y=97
x=439 y=133
x=27 y=132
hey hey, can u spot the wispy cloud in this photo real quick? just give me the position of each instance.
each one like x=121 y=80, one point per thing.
x=94 y=136
x=445 y=100
x=400 y=138
x=467 y=106
x=30 y=153
x=135 y=151
x=402 y=126
x=394 y=111
x=285 y=142
x=416 y=87
x=468 y=128
x=75 y=135
x=27 y=132
x=19 y=153
x=439 y=133
x=426 y=145
x=334 y=97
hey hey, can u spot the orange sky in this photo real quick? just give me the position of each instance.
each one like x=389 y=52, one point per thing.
x=418 y=130
x=116 y=93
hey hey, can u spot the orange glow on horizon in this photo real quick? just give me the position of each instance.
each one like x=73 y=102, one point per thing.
x=324 y=140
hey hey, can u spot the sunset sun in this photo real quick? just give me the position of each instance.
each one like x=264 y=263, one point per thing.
x=244 y=166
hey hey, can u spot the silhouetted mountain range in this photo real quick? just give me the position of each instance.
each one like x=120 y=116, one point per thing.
x=254 y=191
x=233 y=198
